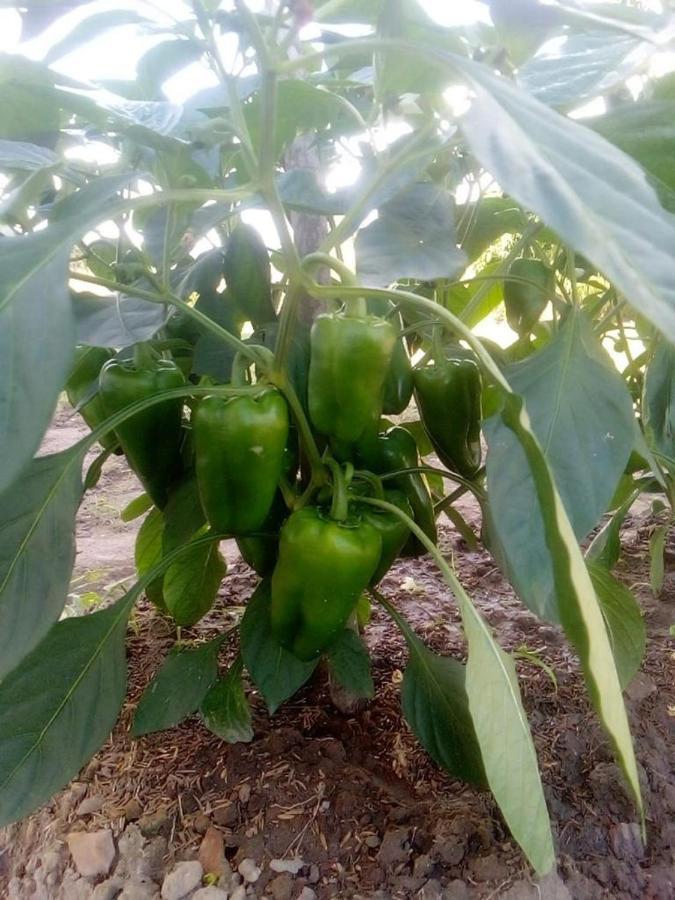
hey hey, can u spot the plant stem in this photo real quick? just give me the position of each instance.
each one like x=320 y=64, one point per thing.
x=281 y=381
x=339 y=506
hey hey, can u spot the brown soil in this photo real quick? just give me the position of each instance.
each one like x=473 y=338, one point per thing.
x=354 y=795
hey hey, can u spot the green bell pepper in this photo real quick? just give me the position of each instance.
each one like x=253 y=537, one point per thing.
x=151 y=439
x=324 y=566
x=448 y=395
x=524 y=303
x=82 y=389
x=260 y=551
x=239 y=458
x=393 y=532
x=396 y=449
x=349 y=361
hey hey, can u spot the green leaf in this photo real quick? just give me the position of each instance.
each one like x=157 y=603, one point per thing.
x=624 y=622
x=148 y=554
x=505 y=741
x=20 y=156
x=658 y=399
x=34 y=301
x=349 y=664
x=178 y=688
x=91 y=27
x=225 y=710
x=594 y=196
x=412 y=237
x=657 y=546
x=488 y=220
x=605 y=548
x=582 y=415
x=162 y=61
x=436 y=706
x=27 y=110
x=183 y=514
x=191 y=584
x=576 y=600
x=59 y=706
x=116 y=321
x=275 y=672
x=246 y=267
x=136 y=508
x=37 y=551
x=582 y=66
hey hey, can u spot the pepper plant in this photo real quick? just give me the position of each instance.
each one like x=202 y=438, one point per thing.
x=324 y=414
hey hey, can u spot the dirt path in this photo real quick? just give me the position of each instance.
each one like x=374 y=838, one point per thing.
x=326 y=805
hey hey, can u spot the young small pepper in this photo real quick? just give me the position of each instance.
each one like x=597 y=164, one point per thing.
x=240 y=448
x=448 y=395
x=151 y=439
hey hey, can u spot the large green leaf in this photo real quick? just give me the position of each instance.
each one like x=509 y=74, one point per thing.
x=37 y=551
x=21 y=156
x=594 y=196
x=582 y=66
x=413 y=237
x=658 y=399
x=275 y=672
x=505 y=741
x=34 y=302
x=581 y=615
x=178 y=688
x=436 y=706
x=624 y=621
x=225 y=710
x=191 y=583
x=88 y=29
x=582 y=415
x=349 y=664
x=115 y=321
x=59 y=706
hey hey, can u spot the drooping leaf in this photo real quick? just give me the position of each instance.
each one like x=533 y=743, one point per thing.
x=582 y=415
x=658 y=399
x=625 y=625
x=436 y=706
x=506 y=746
x=593 y=195
x=275 y=672
x=413 y=237
x=225 y=710
x=576 y=600
x=191 y=583
x=59 y=706
x=349 y=664
x=148 y=554
x=136 y=508
x=178 y=688
x=37 y=551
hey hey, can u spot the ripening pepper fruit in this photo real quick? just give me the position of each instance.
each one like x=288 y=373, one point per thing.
x=393 y=532
x=349 y=361
x=448 y=395
x=396 y=449
x=324 y=566
x=239 y=457
x=151 y=439
x=260 y=551
x=524 y=303
x=83 y=383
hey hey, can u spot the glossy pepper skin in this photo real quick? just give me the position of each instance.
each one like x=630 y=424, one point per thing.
x=323 y=568
x=239 y=458
x=260 y=551
x=398 y=385
x=393 y=532
x=349 y=361
x=396 y=449
x=524 y=303
x=83 y=382
x=151 y=439
x=448 y=395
